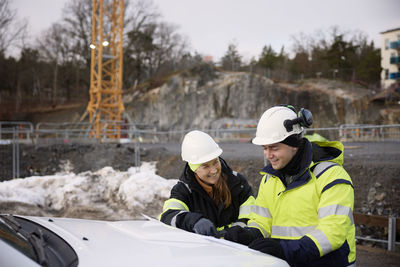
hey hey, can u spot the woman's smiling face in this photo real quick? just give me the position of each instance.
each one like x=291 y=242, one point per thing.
x=210 y=171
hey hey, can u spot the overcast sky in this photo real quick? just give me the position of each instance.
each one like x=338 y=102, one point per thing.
x=211 y=25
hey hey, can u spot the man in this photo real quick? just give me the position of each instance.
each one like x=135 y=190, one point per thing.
x=304 y=207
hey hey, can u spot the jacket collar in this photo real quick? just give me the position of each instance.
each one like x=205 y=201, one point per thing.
x=314 y=153
x=328 y=150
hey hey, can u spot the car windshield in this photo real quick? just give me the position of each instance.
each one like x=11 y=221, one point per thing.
x=9 y=233
x=36 y=242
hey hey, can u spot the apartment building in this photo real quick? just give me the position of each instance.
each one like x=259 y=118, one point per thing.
x=390 y=56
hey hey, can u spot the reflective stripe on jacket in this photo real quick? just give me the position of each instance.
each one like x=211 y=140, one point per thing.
x=313 y=216
x=189 y=202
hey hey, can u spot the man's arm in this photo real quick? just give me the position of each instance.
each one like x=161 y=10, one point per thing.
x=335 y=220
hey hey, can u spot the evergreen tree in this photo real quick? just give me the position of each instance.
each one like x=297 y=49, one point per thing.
x=341 y=56
x=369 y=68
x=231 y=60
x=300 y=65
x=268 y=58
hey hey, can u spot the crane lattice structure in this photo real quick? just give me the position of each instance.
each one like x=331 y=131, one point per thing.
x=105 y=105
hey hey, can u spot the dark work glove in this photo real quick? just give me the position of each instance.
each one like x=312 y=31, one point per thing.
x=205 y=227
x=268 y=246
x=239 y=235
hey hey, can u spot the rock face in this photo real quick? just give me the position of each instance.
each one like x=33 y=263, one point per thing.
x=184 y=103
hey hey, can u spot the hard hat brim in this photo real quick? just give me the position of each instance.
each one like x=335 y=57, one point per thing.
x=207 y=158
x=265 y=141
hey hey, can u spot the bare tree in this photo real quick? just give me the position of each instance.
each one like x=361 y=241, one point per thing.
x=139 y=14
x=65 y=45
x=152 y=47
x=170 y=47
x=77 y=22
x=54 y=48
x=140 y=26
x=12 y=30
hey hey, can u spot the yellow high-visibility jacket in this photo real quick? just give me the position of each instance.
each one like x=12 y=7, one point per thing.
x=313 y=216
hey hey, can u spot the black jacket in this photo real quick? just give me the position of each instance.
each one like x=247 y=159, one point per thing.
x=200 y=205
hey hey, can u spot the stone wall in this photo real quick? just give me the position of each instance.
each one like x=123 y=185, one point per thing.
x=182 y=104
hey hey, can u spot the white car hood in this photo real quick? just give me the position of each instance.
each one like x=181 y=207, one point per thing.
x=149 y=243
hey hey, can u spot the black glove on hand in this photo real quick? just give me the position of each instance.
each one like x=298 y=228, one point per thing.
x=239 y=235
x=268 y=246
x=205 y=227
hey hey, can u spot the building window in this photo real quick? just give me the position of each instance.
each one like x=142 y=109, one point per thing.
x=386 y=44
x=386 y=74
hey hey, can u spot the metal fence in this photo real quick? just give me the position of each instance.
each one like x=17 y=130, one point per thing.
x=16 y=133
x=45 y=132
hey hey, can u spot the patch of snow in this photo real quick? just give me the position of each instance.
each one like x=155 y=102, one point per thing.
x=108 y=189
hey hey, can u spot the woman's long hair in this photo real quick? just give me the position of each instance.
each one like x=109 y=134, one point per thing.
x=222 y=192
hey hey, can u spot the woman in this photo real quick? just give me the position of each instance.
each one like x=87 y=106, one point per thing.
x=209 y=196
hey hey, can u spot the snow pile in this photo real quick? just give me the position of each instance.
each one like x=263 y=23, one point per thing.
x=142 y=188
x=104 y=194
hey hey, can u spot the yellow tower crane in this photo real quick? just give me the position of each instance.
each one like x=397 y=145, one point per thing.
x=105 y=105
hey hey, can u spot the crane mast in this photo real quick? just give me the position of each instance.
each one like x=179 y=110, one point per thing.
x=105 y=106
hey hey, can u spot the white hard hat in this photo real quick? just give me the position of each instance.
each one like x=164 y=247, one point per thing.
x=271 y=129
x=198 y=147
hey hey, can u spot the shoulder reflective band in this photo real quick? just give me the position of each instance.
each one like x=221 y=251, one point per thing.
x=267 y=177
x=187 y=186
x=322 y=167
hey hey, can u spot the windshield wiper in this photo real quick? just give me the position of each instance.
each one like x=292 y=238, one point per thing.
x=11 y=222
x=35 y=238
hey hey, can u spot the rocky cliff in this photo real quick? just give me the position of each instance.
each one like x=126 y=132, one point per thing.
x=185 y=103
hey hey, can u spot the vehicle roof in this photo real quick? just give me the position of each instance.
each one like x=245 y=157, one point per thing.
x=149 y=243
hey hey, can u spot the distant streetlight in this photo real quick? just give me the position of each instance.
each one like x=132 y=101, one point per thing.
x=106 y=43
x=92 y=46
